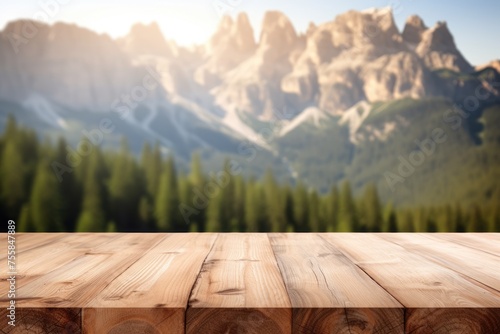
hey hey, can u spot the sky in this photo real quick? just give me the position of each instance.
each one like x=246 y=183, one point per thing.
x=474 y=24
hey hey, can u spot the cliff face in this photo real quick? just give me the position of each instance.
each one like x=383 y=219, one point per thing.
x=72 y=66
x=437 y=48
x=413 y=30
x=359 y=56
x=147 y=39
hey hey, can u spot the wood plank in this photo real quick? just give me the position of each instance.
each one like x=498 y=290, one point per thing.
x=152 y=293
x=80 y=276
x=132 y=321
x=43 y=321
x=28 y=241
x=40 y=260
x=457 y=320
x=255 y=283
x=239 y=289
x=479 y=266
x=329 y=293
x=435 y=294
x=78 y=281
x=486 y=242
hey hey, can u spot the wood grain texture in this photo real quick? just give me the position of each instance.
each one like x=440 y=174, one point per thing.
x=132 y=321
x=441 y=298
x=78 y=281
x=47 y=257
x=328 y=293
x=152 y=292
x=239 y=287
x=457 y=320
x=473 y=264
x=254 y=283
x=413 y=280
x=486 y=242
x=28 y=241
x=43 y=321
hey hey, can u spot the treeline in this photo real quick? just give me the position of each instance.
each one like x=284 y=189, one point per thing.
x=51 y=187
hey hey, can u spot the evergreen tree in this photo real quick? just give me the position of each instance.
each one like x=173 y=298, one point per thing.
x=421 y=220
x=371 y=213
x=477 y=223
x=254 y=205
x=347 y=210
x=69 y=187
x=332 y=211
x=225 y=182
x=275 y=210
x=288 y=208
x=430 y=222
x=111 y=227
x=197 y=183
x=448 y=219
x=314 y=218
x=392 y=222
x=495 y=219
x=146 y=214
x=126 y=187
x=152 y=165
x=93 y=216
x=214 y=211
x=25 y=221
x=167 y=201
x=45 y=202
x=239 y=202
x=300 y=208
x=13 y=192
x=459 y=219
x=407 y=221
x=185 y=193
x=196 y=176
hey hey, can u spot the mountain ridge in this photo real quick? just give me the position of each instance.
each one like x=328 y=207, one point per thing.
x=265 y=102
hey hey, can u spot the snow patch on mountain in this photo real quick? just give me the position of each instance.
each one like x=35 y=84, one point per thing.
x=233 y=121
x=354 y=118
x=311 y=116
x=44 y=110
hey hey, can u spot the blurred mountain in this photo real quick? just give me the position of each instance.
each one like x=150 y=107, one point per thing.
x=341 y=101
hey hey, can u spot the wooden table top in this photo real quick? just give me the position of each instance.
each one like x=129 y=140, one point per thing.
x=253 y=283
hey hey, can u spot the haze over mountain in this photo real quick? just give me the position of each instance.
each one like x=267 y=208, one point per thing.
x=344 y=100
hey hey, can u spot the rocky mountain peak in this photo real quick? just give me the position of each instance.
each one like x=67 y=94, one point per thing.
x=413 y=30
x=366 y=29
x=278 y=36
x=233 y=36
x=438 y=38
x=146 y=39
x=438 y=49
x=311 y=28
x=221 y=36
x=243 y=34
x=232 y=43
